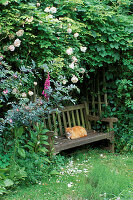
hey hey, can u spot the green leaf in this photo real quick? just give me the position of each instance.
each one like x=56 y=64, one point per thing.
x=21 y=152
x=54 y=172
x=18 y=131
x=8 y=182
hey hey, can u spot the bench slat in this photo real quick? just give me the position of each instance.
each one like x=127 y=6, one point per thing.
x=64 y=120
x=73 y=118
x=60 y=124
x=69 y=121
x=54 y=120
x=78 y=120
x=49 y=122
x=82 y=117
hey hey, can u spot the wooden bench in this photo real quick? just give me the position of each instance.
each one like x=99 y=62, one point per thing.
x=76 y=115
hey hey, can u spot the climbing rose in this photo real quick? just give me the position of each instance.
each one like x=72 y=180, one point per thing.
x=46 y=87
x=47 y=9
x=10 y=120
x=74 y=59
x=17 y=43
x=83 y=49
x=76 y=35
x=64 y=82
x=24 y=94
x=11 y=48
x=38 y=4
x=30 y=93
x=20 y=33
x=72 y=65
x=53 y=10
x=69 y=30
x=35 y=83
x=82 y=70
x=69 y=51
x=74 y=79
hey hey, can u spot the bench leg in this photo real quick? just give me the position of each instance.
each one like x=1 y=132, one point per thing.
x=112 y=146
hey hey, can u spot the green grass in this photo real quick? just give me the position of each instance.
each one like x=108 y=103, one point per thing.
x=86 y=175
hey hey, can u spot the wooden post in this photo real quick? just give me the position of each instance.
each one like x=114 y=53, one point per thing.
x=104 y=87
x=112 y=146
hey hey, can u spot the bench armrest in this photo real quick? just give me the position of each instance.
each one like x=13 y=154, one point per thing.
x=96 y=118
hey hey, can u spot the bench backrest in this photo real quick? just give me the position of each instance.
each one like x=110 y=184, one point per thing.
x=70 y=116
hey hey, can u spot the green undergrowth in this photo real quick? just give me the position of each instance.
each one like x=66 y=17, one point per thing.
x=85 y=175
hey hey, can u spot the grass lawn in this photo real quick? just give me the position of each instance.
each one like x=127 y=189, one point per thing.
x=88 y=174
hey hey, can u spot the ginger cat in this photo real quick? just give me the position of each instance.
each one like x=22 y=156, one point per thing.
x=75 y=132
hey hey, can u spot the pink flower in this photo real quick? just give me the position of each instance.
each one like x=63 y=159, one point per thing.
x=10 y=120
x=17 y=109
x=5 y=91
x=46 y=87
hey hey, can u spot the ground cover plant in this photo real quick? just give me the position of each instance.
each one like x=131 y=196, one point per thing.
x=87 y=174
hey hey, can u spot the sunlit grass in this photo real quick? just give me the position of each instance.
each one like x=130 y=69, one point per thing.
x=87 y=175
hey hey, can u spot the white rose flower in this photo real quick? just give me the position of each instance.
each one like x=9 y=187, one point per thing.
x=6 y=3
x=70 y=184
x=47 y=9
x=35 y=83
x=14 y=91
x=76 y=35
x=83 y=49
x=74 y=59
x=24 y=95
x=72 y=65
x=49 y=17
x=69 y=51
x=38 y=4
x=69 y=30
x=53 y=10
x=64 y=82
x=20 y=32
x=17 y=43
x=74 y=79
x=30 y=93
x=82 y=70
x=11 y=48
x=30 y=19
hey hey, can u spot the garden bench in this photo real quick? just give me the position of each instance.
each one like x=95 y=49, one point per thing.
x=76 y=115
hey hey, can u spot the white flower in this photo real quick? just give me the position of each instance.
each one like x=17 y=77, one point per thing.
x=101 y=155
x=53 y=10
x=69 y=24
x=38 y=4
x=82 y=70
x=76 y=35
x=30 y=19
x=47 y=9
x=14 y=91
x=69 y=184
x=74 y=79
x=6 y=3
x=69 y=30
x=72 y=65
x=83 y=49
x=118 y=198
x=20 y=32
x=11 y=48
x=74 y=59
x=69 y=51
x=64 y=82
x=35 y=83
x=17 y=43
x=30 y=93
x=24 y=94
x=49 y=17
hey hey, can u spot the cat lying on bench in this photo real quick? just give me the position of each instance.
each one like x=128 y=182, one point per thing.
x=75 y=132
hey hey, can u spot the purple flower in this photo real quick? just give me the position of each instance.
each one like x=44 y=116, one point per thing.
x=46 y=87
